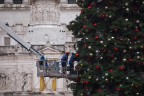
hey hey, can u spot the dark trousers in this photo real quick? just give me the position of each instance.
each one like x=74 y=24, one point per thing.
x=71 y=68
x=64 y=68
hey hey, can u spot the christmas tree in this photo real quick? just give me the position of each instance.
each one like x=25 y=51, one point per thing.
x=110 y=42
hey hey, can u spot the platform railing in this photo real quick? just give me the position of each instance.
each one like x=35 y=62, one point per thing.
x=54 y=69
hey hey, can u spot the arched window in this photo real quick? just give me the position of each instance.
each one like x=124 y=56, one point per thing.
x=1 y=1
x=71 y=1
x=17 y=1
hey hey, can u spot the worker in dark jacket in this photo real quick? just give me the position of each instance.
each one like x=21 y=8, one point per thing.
x=64 y=61
x=73 y=58
x=71 y=63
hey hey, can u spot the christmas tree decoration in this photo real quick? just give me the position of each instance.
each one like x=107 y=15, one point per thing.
x=116 y=49
x=77 y=55
x=101 y=42
x=106 y=7
x=126 y=19
x=111 y=48
x=124 y=60
x=98 y=67
x=110 y=16
x=97 y=51
x=126 y=4
x=99 y=90
x=117 y=89
x=106 y=74
x=137 y=93
x=91 y=54
x=122 y=68
x=137 y=21
x=97 y=37
x=89 y=77
x=89 y=7
x=127 y=9
x=127 y=78
x=84 y=27
x=85 y=82
x=82 y=11
x=124 y=51
x=95 y=24
x=101 y=58
x=138 y=57
x=129 y=60
x=110 y=70
x=106 y=79
x=137 y=30
x=97 y=79
x=105 y=45
x=89 y=47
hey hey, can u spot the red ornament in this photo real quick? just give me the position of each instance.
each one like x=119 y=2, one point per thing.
x=85 y=82
x=130 y=60
x=110 y=70
x=84 y=27
x=82 y=11
x=89 y=7
x=117 y=89
x=137 y=30
x=102 y=16
x=99 y=90
x=122 y=68
x=95 y=24
x=135 y=38
x=77 y=55
x=116 y=49
x=112 y=56
x=86 y=89
x=97 y=37
x=85 y=45
x=97 y=67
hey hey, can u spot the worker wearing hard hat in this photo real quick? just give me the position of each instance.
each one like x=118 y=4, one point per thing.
x=64 y=61
x=74 y=57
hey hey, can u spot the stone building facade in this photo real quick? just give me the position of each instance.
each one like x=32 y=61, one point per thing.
x=42 y=23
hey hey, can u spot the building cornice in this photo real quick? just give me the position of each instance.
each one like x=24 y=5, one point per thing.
x=69 y=7
x=14 y=6
x=34 y=1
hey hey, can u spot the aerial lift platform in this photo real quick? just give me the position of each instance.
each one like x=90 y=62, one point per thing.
x=43 y=68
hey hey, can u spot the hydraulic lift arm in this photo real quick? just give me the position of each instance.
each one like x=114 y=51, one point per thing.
x=12 y=34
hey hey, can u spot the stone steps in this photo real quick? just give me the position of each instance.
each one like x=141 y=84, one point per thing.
x=34 y=94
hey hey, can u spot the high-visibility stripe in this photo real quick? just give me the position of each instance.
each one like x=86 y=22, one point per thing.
x=54 y=84
x=42 y=83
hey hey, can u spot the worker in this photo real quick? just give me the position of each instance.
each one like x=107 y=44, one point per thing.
x=71 y=63
x=64 y=61
x=74 y=57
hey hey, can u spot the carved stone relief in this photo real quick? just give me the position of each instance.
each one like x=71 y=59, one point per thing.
x=44 y=13
x=12 y=80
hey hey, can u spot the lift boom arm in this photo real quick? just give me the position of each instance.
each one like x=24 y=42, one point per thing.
x=12 y=34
